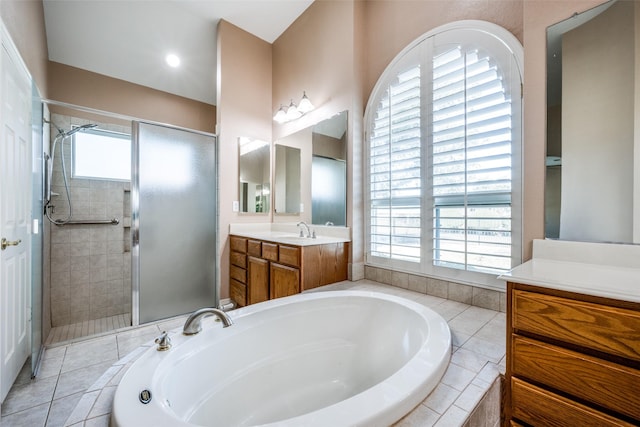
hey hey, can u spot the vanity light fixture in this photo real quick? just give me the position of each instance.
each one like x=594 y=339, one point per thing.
x=304 y=106
x=293 y=111
x=281 y=115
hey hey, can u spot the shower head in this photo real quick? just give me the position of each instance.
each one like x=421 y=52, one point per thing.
x=78 y=129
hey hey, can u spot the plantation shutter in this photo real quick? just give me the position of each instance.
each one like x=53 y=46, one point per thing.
x=395 y=178
x=471 y=163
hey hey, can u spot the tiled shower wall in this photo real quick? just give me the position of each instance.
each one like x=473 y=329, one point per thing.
x=90 y=264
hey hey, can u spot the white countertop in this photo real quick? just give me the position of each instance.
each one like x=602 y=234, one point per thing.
x=289 y=233
x=289 y=238
x=590 y=279
x=562 y=266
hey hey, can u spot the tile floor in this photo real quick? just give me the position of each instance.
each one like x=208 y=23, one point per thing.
x=69 y=370
x=82 y=330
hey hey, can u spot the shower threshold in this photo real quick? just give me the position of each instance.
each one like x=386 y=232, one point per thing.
x=87 y=328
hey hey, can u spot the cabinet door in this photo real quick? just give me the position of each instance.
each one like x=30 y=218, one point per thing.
x=285 y=280
x=258 y=283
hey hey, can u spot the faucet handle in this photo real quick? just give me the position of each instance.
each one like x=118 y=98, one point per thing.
x=301 y=233
x=163 y=341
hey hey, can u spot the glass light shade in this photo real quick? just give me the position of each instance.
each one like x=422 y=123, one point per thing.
x=292 y=112
x=281 y=115
x=305 y=105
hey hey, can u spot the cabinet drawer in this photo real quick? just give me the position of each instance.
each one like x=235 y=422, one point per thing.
x=608 y=329
x=290 y=255
x=238 y=259
x=237 y=273
x=270 y=251
x=538 y=407
x=254 y=248
x=238 y=293
x=238 y=244
x=580 y=375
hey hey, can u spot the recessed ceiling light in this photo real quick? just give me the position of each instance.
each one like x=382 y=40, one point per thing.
x=172 y=60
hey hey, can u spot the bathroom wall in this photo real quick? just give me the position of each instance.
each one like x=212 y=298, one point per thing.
x=25 y=22
x=84 y=88
x=538 y=15
x=90 y=264
x=244 y=109
x=322 y=53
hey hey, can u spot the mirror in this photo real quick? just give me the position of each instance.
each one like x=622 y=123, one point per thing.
x=323 y=179
x=254 y=187
x=287 y=180
x=329 y=171
x=590 y=180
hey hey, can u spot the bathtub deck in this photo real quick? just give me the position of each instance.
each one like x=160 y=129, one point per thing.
x=77 y=381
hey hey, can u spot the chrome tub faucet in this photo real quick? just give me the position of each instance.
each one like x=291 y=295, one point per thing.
x=193 y=324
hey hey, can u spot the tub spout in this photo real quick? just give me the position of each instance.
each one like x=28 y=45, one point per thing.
x=192 y=326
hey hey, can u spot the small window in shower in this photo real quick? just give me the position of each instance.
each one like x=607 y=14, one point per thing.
x=101 y=154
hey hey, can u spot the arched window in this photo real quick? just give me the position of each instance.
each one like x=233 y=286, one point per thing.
x=444 y=156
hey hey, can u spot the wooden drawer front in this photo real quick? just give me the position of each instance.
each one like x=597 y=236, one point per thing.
x=239 y=244
x=538 y=407
x=238 y=293
x=254 y=248
x=238 y=273
x=604 y=383
x=609 y=329
x=289 y=255
x=238 y=259
x=270 y=251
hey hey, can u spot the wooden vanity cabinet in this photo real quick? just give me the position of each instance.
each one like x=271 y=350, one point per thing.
x=267 y=270
x=572 y=359
x=238 y=270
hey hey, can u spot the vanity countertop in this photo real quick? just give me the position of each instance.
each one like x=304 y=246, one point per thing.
x=574 y=267
x=289 y=233
x=289 y=238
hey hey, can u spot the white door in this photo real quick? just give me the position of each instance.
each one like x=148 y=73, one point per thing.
x=15 y=198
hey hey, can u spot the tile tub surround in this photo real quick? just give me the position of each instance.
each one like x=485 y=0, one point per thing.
x=468 y=394
x=467 y=294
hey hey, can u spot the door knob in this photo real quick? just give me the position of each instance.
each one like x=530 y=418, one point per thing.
x=5 y=243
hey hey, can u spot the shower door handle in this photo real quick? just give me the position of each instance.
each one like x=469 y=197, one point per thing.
x=6 y=243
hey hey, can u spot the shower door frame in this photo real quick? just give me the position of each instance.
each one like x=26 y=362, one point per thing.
x=135 y=297
x=135 y=215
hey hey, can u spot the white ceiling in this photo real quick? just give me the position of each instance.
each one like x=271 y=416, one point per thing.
x=129 y=39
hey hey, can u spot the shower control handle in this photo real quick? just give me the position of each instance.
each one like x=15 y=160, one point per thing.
x=6 y=243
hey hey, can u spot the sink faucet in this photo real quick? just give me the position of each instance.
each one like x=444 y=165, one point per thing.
x=192 y=326
x=304 y=224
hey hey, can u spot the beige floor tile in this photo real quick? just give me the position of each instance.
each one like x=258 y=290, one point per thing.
x=469 y=359
x=61 y=408
x=419 y=417
x=29 y=395
x=441 y=398
x=90 y=353
x=32 y=417
x=79 y=379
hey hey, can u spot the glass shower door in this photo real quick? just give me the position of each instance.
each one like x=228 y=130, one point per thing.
x=174 y=227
